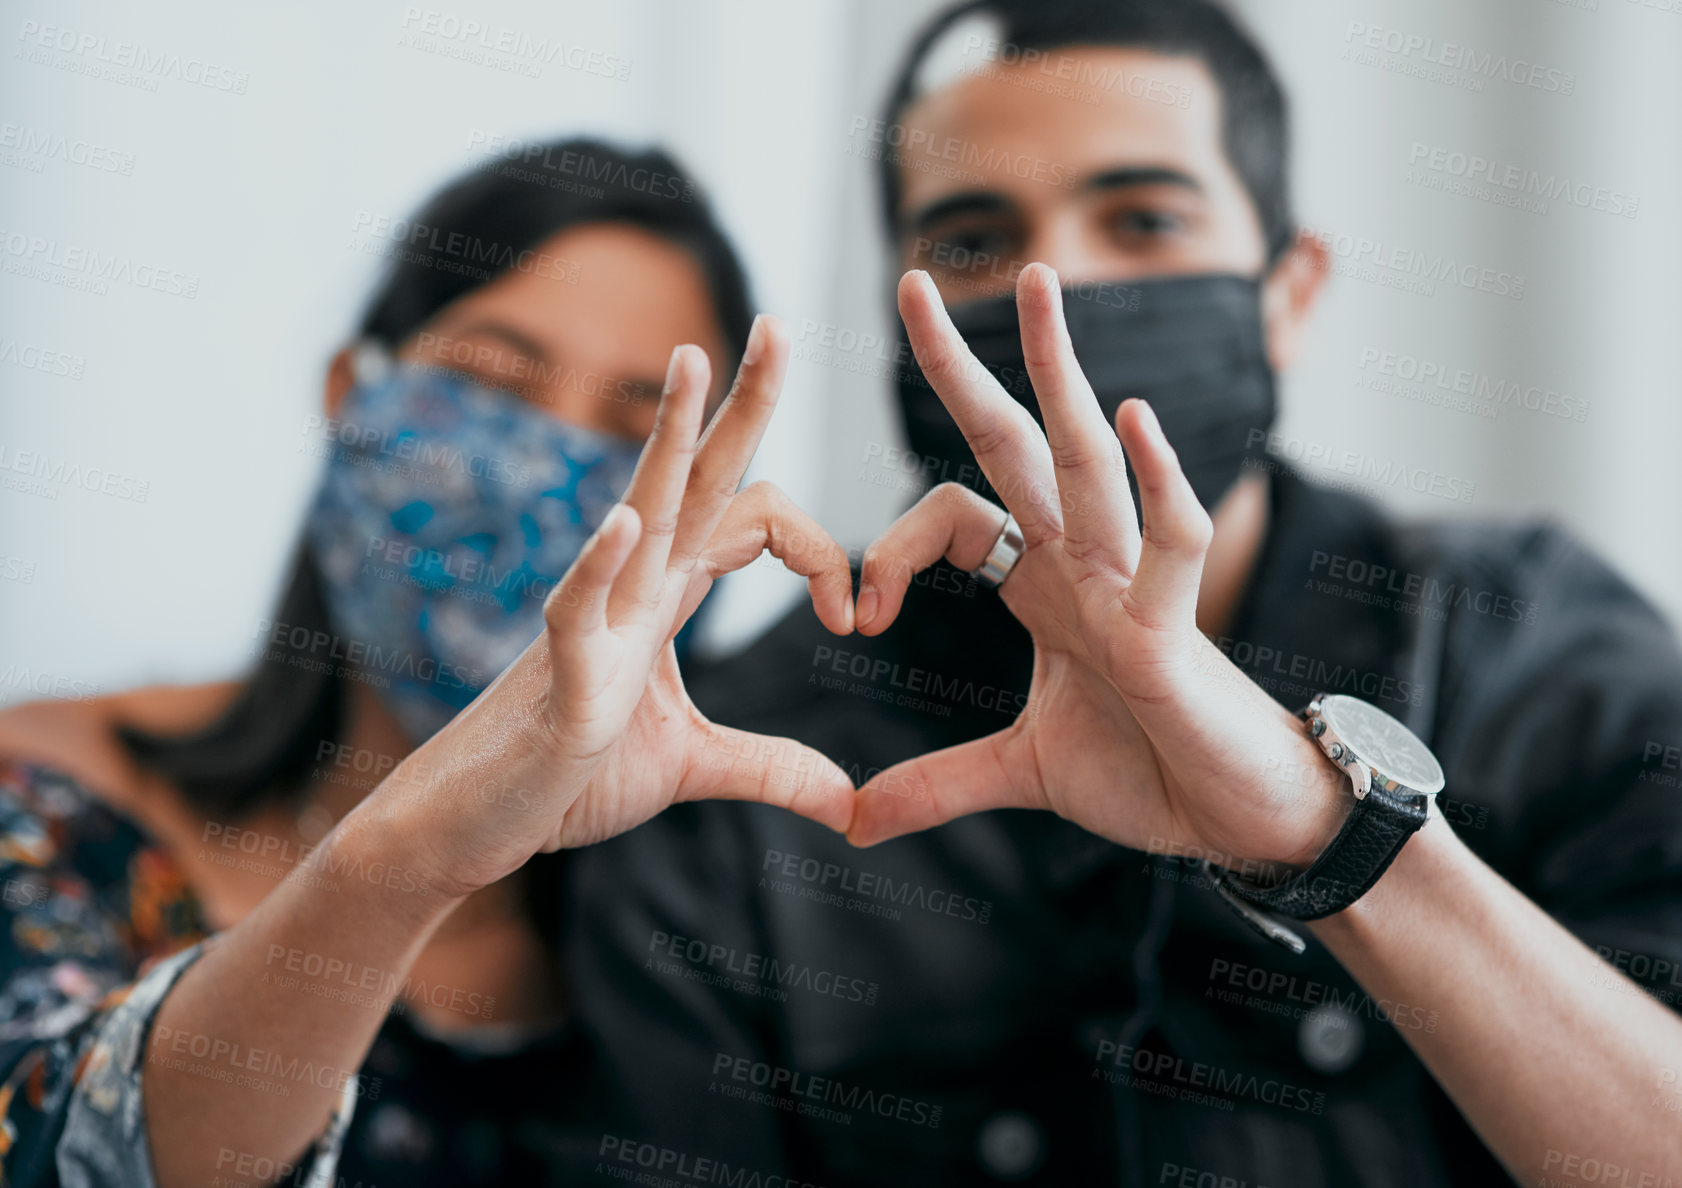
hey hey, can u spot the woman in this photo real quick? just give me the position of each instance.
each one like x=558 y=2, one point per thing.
x=480 y=438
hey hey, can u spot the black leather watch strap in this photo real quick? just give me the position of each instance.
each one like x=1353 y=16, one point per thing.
x=1371 y=837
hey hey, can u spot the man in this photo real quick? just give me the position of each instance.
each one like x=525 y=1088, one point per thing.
x=1036 y=1002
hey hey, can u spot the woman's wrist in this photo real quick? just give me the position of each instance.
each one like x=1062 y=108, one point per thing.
x=467 y=807
x=389 y=843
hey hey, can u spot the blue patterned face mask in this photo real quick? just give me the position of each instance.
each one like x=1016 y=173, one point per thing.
x=446 y=513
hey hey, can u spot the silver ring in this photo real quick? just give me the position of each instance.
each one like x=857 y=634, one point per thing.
x=1002 y=557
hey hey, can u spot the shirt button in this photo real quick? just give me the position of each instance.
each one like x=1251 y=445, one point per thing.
x=1330 y=1039
x=1010 y=1145
x=396 y=1135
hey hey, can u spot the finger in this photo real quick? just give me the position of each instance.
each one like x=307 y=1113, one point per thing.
x=1177 y=529
x=951 y=521
x=1008 y=444
x=734 y=764
x=1098 y=517
x=731 y=438
x=578 y=602
x=763 y=518
x=938 y=787
x=656 y=490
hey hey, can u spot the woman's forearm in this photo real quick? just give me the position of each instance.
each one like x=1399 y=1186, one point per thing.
x=255 y=1045
x=1553 y=1070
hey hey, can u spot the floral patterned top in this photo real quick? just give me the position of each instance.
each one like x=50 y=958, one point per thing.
x=96 y=924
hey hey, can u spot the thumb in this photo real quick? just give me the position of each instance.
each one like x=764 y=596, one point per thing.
x=935 y=788
x=730 y=764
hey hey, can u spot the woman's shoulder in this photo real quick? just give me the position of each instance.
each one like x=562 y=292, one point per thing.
x=89 y=899
x=50 y=823
x=82 y=740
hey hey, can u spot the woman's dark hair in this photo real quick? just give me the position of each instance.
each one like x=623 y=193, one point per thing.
x=266 y=746
x=1256 y=125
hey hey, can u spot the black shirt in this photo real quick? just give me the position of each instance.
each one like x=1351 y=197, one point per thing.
x=1009 y=998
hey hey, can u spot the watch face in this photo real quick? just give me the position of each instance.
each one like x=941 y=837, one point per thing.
x=1381 y=741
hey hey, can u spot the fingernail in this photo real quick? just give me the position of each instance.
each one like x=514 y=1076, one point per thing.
x=866 y=606
x=672 y=368
x=756 y=342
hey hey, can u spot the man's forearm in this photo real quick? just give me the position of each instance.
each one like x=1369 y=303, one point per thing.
x=1551 y=1068
x=254 y=1046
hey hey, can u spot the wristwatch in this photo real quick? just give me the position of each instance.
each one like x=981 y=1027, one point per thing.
x=1394 y=776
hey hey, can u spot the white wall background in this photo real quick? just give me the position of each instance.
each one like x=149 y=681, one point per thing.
x=255 y=195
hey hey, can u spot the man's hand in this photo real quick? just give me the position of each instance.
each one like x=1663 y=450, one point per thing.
x=1136 y=726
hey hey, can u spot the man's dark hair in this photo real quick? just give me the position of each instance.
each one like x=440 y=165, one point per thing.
x=1255 y=128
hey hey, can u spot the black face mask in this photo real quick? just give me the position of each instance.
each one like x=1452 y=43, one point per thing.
x=1192 y=346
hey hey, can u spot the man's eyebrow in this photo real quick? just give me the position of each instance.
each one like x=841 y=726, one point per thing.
x=1125 y=176
x=989 y=202
x=520 y=341
x=966 y=202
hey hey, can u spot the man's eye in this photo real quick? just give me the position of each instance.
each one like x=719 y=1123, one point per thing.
x=966 y=249
x=1149 y=222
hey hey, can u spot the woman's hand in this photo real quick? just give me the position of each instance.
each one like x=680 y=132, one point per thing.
x=1136 y=727
x=590 y=732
